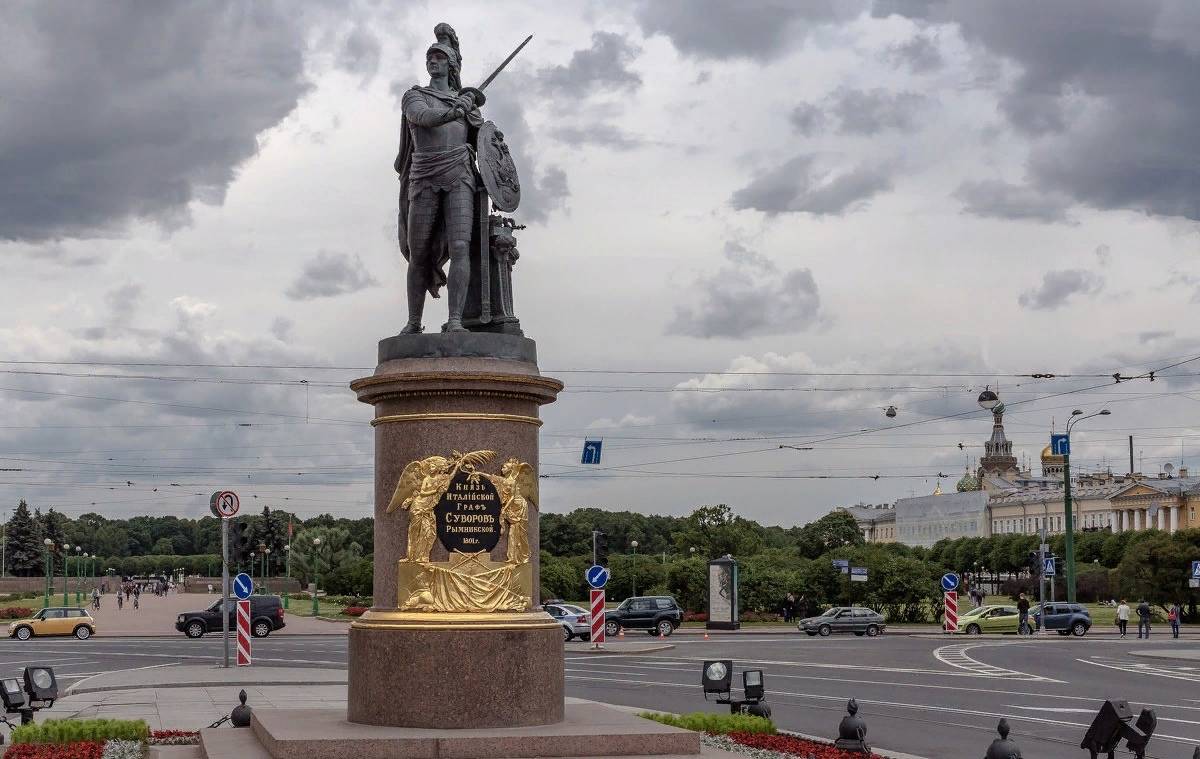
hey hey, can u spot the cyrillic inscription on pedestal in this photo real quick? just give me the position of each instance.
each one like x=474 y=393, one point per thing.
x=449 y=499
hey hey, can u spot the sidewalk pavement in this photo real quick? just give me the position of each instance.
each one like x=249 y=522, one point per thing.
x=617 y=647
x=156 y=615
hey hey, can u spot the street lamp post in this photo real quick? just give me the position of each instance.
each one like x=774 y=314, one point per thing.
x=287 y=551
x=633 y=570
x=49 y=568
x=1077 y=416
x=316 y=573
x=80 y=560
x=266 y=568
x=66 y=581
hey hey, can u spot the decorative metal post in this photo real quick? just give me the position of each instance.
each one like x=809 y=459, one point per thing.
x=1002 y=747
x=316 y=574
x=852 y=732
x=47 y=569
x=66 y=572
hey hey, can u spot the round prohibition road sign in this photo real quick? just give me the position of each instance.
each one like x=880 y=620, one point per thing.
x=224 y=504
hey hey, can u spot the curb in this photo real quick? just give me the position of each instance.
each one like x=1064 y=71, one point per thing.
x=616 y=652
x=73 y=691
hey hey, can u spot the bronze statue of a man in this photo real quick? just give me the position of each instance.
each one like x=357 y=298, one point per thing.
x=438 y=183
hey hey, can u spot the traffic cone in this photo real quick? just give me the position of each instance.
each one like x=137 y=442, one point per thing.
x=706 y=634
x=661 y=636
x=621 y=634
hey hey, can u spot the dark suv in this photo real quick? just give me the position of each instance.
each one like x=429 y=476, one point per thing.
x=1064 y=618
x=266 y=616
x=657 y=615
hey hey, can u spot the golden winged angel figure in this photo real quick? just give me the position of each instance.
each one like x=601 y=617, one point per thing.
x=421 y=486
x=517 y=485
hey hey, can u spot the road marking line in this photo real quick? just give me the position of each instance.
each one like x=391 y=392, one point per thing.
x=955 y=655
x=131 y=669
x=1141 y=670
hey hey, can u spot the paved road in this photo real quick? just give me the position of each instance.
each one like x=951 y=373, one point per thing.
x=924 y=695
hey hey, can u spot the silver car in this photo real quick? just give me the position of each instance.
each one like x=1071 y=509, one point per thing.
x=843 y=619
x=574 y=620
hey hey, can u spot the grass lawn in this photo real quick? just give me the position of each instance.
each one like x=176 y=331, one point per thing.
x=304 y=608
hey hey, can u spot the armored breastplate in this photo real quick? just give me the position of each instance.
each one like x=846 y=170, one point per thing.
x=441 y=137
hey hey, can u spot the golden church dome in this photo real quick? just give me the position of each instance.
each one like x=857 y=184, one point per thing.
x=1049 y=457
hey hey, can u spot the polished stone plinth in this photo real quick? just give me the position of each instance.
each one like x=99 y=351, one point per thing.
x=435 y=394
x=588 y=730
x=468 y=671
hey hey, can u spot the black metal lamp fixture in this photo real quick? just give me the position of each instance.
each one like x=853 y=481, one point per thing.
x=717 y=676
x=752 y=684
x=41 y=684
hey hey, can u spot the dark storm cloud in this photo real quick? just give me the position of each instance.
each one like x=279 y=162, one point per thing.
x=869 y=112
x=749 y=296
x=1110 y=102
x=543 y=189
x=797 y=186
x=330 y=274
x=920 y=54
x=807 y=119
x=598 y=134
x=1058 y=286
x=1000 y=200
x=359 y=53
x=605 y=65
x=756 y=29
x=126 y=110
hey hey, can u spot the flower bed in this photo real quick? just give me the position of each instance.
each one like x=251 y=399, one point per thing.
x=175 y=738
x=76 y=750
x=15 y=612
x=354 y=611
x=779 y=746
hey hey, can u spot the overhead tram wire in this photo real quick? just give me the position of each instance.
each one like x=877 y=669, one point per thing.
x=1146 y=375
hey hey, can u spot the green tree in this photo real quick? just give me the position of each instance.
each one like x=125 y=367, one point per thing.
x=335 y=549
x=834 y=530
x=1155 y=568
x=24 y=551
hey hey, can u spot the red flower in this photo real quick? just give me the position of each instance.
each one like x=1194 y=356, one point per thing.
x=789 y=744
x=77 y=750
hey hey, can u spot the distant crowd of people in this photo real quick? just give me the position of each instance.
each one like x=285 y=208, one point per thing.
x=129 y=591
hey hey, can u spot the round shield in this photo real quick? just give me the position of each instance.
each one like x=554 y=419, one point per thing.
x=497 y=169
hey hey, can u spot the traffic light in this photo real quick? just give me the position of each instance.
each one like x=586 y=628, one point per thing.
x=1034 y=563
x=239 y=540
x=600 y=548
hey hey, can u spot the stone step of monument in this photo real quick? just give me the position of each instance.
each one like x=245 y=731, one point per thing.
x=231 y=743
x=589 y=730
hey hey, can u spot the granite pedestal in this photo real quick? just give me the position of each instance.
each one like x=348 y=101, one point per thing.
x=434 y=394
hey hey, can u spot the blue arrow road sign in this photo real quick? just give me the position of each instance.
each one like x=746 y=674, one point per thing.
x=591 y=451
x=1048 y=566
x=243 y=586
x=596 y=576
x=1060 y=445
x=949 y=581
x=1196 y=569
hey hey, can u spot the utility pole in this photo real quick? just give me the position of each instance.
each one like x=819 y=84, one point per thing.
x=1077 y=416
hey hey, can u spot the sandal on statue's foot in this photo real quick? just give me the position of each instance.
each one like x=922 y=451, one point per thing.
x=454 y=325
x=412 y=328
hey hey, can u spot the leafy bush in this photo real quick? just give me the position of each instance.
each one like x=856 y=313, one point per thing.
x=77 y=750
x=695 y=616
x=717 y=724
x=73 y=730
x=15 y=612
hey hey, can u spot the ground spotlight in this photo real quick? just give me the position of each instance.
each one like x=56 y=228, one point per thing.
x=717 y=677
x=41 y=685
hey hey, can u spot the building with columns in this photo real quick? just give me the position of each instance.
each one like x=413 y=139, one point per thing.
x=999 y=498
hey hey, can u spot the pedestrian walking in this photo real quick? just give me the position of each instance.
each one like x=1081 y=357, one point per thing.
x=95 y=598
x=1123 y=617
x=789 y=608
x=1173 y=617
x=120 y=602
x=1143 y=612
x=1023 y=620
x=135 y=601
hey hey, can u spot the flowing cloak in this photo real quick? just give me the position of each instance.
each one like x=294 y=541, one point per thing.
x=403 y=166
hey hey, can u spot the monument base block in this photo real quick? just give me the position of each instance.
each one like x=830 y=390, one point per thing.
x=436 y=670
x=588 y=730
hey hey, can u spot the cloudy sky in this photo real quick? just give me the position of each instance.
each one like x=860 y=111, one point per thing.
x=750 y=224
